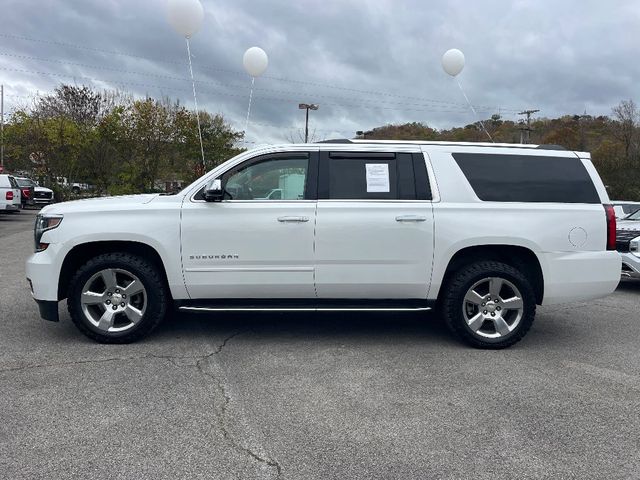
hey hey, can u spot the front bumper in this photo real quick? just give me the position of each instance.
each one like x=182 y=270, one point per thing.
x=630 y=265
x=48 y=310
x=43 y=270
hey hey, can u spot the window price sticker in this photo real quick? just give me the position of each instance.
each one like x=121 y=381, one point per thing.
x=377 y=177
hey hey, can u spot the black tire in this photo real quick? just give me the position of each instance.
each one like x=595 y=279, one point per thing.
x=453 y=302
x=157 y=296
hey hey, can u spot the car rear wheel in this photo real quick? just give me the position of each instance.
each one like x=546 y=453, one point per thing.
x=489 y=304
x=117 y=298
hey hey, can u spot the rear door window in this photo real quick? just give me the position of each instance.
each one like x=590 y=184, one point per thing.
x=369 y=176
x=527 y=178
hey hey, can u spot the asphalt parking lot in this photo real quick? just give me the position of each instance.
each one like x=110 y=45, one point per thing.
x=316 y=396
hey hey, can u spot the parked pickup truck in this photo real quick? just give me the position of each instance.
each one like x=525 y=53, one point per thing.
x=37 y=195
x=10 y=196
x=484 y=232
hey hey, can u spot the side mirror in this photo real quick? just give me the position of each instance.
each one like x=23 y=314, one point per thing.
x=213 y=192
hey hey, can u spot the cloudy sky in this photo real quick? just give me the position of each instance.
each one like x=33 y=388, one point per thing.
x=366 y=63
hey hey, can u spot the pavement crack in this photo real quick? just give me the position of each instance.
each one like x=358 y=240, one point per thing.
x=200 y=360
x=223 y=412
x=171 y=358
x=65 y=364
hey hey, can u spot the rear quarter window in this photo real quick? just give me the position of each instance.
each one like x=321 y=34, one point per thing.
x=527 y=178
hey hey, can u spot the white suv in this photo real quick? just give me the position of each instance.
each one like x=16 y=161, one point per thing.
x=483 y=231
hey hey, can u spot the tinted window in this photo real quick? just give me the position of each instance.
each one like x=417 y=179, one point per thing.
x=360 y=178
x=13 y=182
x=367 y=176
x=527 y=178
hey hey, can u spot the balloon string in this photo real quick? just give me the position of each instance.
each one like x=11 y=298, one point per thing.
x=473 y=109
x=246 y=123
x=195 y=101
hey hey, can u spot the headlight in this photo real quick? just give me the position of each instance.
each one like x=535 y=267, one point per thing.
x=44 y=223
x=634 y=246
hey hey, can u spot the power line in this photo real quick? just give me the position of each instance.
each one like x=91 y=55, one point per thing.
x=226 y=94
x=214 y=83
x=237 y=72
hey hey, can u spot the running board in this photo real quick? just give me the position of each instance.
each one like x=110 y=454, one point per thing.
x=302 y=309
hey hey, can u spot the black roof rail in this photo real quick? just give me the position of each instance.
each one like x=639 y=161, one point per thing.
x=550 y=147
x=336 y=140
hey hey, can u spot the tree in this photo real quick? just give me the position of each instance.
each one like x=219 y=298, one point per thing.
x=627 y=116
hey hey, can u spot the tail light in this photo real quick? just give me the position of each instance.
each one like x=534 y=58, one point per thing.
x=25 y=192
x=9 y=195
x=611 y=227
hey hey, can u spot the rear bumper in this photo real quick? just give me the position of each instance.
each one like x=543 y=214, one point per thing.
x=575 y=276
x=10 y=207
x=630 y=265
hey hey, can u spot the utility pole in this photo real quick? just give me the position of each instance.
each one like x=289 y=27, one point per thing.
x=578 y=119
x=307 y=107
x=1 y=128
x=528 y=128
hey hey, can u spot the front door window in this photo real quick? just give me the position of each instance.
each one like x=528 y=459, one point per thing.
x=272 y=179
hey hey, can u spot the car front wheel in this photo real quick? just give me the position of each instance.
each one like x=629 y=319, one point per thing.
x=117 y=298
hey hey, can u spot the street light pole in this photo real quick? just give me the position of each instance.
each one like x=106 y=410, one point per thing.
x=307 y=107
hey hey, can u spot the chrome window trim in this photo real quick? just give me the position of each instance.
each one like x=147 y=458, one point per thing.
x=373 y=200
x=255 y=201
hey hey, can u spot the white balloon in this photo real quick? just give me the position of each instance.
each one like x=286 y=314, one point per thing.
x=185 y=16
x=255 y=61
x=453 y=61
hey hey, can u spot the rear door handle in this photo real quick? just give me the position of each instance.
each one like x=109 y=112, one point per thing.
x=410 y=218
x=293 y=219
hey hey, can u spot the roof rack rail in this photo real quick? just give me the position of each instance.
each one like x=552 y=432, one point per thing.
x=550 y=147
x=336 y=140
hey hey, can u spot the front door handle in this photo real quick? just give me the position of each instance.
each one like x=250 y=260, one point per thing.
x=410 y=218
x=293 y=219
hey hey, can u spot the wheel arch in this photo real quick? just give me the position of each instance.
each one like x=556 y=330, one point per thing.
x=522 y=258
x=79 y=254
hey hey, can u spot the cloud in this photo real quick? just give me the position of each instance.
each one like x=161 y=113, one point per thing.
x=365 y=63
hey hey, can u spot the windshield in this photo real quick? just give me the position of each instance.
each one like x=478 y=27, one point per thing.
x=24 y=182
x=634 y=216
